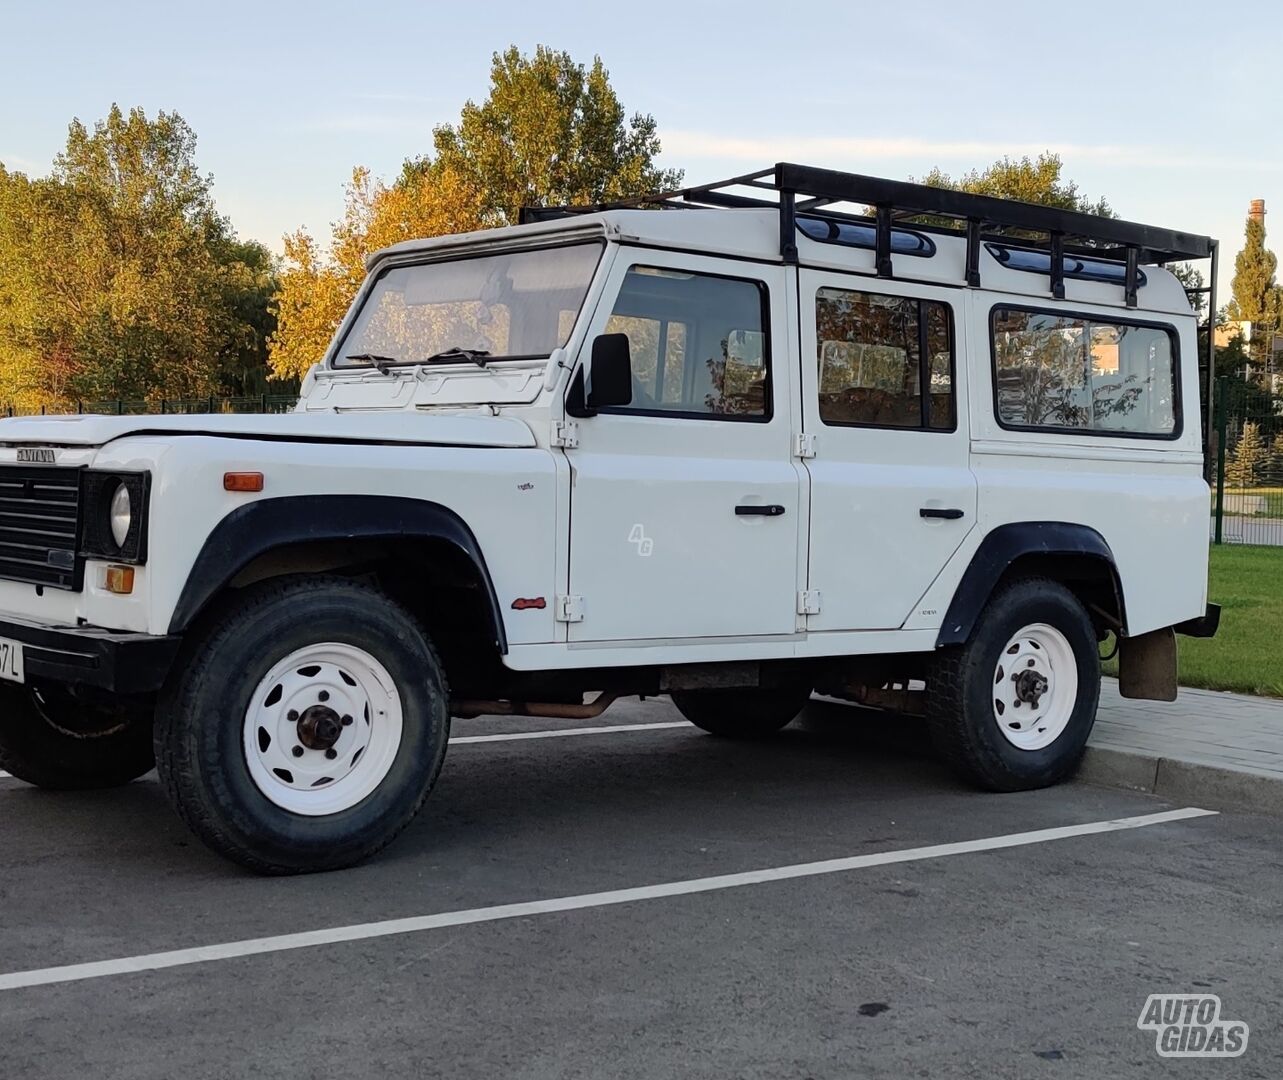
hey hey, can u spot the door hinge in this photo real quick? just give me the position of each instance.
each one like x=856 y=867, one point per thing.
x=808 y=602
x=565 y=433
x=570 y=609
x=804 y=444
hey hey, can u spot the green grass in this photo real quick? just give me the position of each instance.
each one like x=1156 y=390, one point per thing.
x=1246 y=654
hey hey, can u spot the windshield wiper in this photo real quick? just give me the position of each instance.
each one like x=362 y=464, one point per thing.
x=380 y=362
x=476 y=356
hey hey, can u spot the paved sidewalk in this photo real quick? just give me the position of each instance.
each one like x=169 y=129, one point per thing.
x=1220 y=749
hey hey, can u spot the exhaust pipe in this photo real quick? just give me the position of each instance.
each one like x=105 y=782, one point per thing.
x=467 y=709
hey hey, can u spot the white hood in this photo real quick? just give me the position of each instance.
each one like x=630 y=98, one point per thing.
x=384 y=427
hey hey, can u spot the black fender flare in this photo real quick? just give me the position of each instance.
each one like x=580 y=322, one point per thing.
x=1002 y=547
x=259 y=527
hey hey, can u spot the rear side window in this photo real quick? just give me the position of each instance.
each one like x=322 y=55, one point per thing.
x=1063 y=372
x=885 y=361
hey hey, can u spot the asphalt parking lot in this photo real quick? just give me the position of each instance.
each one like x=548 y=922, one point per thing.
x=996 y=956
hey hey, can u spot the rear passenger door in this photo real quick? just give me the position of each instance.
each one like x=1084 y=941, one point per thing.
x=892 y=493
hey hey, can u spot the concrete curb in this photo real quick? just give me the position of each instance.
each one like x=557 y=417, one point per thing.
x=1215 y=787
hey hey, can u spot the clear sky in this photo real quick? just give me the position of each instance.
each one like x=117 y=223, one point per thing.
x=1169 y=109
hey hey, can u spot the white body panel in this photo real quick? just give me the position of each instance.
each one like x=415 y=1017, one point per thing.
x=507 y=496
x=657 y=550
x=557 y=521
x=872 y=553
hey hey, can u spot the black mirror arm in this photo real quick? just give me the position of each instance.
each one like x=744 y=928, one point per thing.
x=576 y=400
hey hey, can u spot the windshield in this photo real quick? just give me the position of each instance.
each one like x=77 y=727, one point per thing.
x=504 y=306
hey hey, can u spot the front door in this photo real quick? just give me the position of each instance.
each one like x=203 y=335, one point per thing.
x=685 y=504
x=892 y=493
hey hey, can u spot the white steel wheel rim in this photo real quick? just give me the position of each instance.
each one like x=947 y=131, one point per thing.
x=1035 y=687
x=296 y=757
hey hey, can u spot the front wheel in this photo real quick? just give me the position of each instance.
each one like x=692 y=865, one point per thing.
x=742 y=714
x=53 y=739
x=307 y=728
x=1011 y=709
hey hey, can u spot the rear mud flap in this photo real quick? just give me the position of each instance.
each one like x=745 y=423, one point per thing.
x=1147 y=665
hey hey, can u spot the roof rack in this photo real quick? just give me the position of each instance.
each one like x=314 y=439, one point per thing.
x=802 y=189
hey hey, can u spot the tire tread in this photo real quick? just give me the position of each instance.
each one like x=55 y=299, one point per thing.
x=176 y=768
x=956 y=740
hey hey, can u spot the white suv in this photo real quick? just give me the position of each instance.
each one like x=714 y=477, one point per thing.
x=926 y=455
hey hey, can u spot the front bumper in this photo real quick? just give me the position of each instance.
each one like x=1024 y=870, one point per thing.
x=117 y=661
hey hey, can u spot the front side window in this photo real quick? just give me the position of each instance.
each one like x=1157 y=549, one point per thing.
x=698 y=344
x=1083 y=374
x=885 y=361
x=504 y=306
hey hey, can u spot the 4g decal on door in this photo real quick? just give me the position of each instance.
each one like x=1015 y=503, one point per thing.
x=645 y=544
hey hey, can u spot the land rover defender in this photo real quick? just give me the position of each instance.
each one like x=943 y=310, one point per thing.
x=803 y=431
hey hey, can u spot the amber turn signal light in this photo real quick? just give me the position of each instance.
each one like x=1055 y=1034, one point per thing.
x=243 y=481
x=119 y=579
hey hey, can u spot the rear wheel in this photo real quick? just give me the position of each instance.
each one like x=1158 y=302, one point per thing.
x=53 y=739
x=742 y=714
x=1012 y=709
x=307 y=728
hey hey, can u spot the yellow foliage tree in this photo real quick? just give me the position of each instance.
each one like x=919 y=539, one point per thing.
x=118 y=279
x=550 y=131
x=318 y=285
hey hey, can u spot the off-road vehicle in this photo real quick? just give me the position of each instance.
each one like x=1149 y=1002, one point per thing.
x=803 y=431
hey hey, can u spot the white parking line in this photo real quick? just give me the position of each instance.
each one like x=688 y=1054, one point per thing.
x=203 y=954
x=555 y=733
x=510 y=737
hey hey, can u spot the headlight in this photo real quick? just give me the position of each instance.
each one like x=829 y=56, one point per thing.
x=122 y=515
x=113 y=515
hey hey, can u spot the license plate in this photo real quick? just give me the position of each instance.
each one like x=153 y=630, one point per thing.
x=11 y=661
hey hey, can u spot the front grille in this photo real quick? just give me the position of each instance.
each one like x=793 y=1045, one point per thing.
x=39 y=525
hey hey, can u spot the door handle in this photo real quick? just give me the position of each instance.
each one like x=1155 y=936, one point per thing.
x=769 y=510
x=936 y=512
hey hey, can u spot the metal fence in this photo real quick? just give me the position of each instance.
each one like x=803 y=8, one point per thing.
x=1248 y=454
x=260 y=403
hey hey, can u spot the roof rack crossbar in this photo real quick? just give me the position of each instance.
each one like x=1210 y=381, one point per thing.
x=728 y=199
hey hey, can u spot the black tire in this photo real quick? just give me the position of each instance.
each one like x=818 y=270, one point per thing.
x=52 y=739
x=742 y=714
x=960 y=693
x=199 y=725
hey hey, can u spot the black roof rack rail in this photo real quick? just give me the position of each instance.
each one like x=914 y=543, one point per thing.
x=792 y=189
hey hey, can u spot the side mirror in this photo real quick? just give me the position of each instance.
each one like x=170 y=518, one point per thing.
x=610 y=379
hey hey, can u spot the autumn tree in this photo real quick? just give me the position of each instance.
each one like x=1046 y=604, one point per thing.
x=318 y=284
x=118 y=278
x=550 y=131
x=1033 y=180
